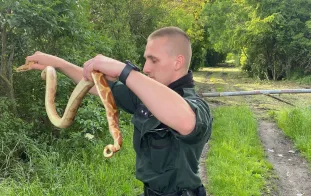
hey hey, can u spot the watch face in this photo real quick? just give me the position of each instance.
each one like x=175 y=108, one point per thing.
x=132 y=65
x=136 y=68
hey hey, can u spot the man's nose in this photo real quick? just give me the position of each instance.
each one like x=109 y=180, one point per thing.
x=146 y=68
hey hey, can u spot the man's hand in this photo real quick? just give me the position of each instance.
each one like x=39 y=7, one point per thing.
x=41 y=60
x=111 y=68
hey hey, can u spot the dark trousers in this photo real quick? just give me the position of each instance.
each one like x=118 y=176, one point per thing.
x=200 y=191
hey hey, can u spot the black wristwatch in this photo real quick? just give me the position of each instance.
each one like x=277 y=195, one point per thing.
x=126 y=71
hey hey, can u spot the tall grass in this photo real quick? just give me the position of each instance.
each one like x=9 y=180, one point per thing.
x=67 y=168
x=296 y=124
x=235 y=161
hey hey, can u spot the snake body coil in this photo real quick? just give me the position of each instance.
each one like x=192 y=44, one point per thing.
x=49 y=74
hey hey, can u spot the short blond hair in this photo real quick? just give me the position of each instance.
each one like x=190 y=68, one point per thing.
x=181 y=41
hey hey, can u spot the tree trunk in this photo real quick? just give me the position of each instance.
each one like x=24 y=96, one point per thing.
x=3 y=51
x=6 y=80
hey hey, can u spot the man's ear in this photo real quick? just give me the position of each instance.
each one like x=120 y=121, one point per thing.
x=180 y=62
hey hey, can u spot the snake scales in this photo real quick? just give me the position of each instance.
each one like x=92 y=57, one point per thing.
x=49 y=74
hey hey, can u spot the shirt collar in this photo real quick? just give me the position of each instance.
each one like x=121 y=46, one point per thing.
x=184 y=82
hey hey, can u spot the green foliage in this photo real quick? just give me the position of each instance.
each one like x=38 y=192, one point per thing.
x=187 y=15
x=50 y=26
x=213 y=57
x=39 y=159
x=299 y=77
x=273 y=35
x=111 y=18
x=74 y=165
x=17 y=149
x=235 y=161
x=296 y=124
x=144 y=17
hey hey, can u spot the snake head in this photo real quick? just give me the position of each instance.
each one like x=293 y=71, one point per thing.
x=25 y=67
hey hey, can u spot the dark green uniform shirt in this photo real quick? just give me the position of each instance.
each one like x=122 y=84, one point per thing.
x=165 y=160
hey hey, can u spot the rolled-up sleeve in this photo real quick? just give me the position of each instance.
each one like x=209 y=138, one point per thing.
x=203 y=125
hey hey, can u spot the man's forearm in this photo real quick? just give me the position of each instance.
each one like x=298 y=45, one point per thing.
x=74 y=72
x=165 y=104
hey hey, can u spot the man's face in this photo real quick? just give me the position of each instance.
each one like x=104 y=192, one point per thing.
x=159 y=63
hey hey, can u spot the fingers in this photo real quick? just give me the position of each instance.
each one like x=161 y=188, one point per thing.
x=89 y=61
x=110 y=67
x=35 y=65
x=42 y=60
x=30 y=59
x=33 y=57
x=92 y=65
x=36 y=58
x=88 y=67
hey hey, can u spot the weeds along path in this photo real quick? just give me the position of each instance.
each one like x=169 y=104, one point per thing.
x=292 y=172
x=293 y=176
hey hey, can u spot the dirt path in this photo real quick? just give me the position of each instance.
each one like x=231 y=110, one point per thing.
x=293 y=173
x=292 y=170
x=203 y=166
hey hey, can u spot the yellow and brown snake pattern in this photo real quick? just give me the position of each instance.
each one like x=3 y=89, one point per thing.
x=104 y=91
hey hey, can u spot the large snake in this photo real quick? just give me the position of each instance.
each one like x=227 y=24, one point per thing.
x=49 y=74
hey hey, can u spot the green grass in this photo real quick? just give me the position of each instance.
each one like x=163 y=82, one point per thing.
x=78 y=170
x=296 y=124
x=235 y=162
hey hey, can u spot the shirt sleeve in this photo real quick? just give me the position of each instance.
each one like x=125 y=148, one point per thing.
x=203 y=125
x=124 y=97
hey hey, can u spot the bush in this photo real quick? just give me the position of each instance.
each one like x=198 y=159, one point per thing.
x=17 y=149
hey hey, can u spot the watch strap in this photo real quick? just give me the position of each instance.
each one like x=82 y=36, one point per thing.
x=126 y=71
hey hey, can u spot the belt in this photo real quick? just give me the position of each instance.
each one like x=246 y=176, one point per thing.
x=199 y=191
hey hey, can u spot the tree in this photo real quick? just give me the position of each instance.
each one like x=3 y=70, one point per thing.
x=27 y=26
x=186 y=14
x=273 y=35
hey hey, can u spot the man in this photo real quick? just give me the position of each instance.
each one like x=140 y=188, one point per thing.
x=171 y=123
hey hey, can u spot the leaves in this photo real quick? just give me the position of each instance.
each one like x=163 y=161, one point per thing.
x=271 y=34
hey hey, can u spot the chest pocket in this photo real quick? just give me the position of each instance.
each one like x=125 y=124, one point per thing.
x=162 y=149
x=153 y=142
